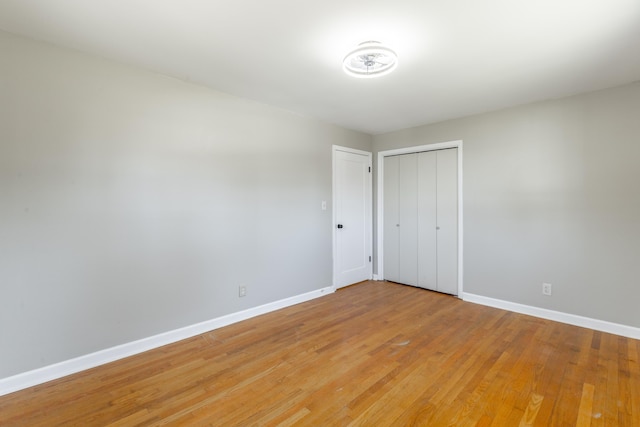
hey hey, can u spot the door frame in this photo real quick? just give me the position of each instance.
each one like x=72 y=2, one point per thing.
x=380 y=203
x=369 y=213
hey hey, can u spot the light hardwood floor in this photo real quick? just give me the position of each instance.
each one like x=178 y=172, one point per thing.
x=376 y=354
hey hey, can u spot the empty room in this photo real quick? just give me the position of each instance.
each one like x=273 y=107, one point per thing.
x=335 y=213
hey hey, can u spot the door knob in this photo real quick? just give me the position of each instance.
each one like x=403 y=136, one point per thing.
x=340 y=226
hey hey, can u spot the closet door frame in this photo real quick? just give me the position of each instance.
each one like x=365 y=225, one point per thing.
x=380 y=203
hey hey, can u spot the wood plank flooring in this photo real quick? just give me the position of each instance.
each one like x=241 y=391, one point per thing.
x=373 y=354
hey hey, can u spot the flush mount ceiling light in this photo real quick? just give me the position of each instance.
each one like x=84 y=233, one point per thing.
x=370 y=59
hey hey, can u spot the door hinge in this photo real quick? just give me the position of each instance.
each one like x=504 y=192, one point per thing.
x=369 y=169
x=369 y=258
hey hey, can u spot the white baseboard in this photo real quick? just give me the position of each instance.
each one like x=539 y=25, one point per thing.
x=375 y=277
x=558 y=316
x=72 y=366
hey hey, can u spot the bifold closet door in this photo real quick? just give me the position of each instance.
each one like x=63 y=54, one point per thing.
x=401 y=219
x=408 y=219
x=427 y=225
x=421 y=220
x=391 y=223
x=447 y=214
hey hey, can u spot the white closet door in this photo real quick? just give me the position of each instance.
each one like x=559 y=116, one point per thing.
x=421 y=220
x=408 y=214
x=391 y=220
x=427 y=211
x=447 y=214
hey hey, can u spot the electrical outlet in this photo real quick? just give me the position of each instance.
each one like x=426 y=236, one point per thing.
x=546 y=289
x=242 y=291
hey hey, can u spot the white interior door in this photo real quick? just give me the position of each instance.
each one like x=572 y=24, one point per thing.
x=352 y=216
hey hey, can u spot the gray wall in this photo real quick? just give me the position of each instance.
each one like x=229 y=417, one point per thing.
x=551 y=194
x=132 y=204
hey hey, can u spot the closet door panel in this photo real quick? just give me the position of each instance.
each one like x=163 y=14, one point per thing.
x=408 y=214
x=447 y=214
x=391 y=220
x=427 y=211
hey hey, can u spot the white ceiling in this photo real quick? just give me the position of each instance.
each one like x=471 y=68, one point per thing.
x=456 y=57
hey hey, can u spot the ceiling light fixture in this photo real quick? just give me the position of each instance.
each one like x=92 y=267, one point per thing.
x=370 y=59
